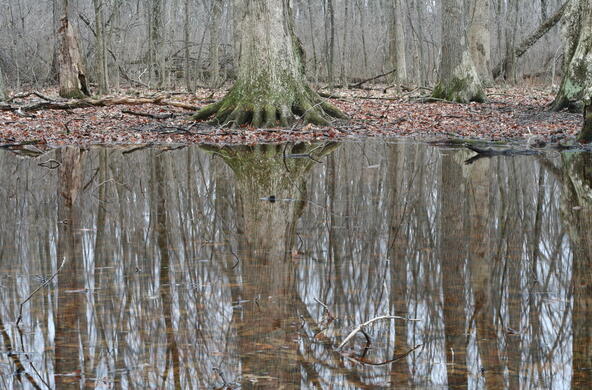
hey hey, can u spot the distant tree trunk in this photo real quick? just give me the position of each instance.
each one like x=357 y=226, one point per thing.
x=101 y=48
x=577 y=79
x=71 y=72
x=155 y=42
x=331 y=45
x=215 y=43
x=511 y=30
x=271 y=84
x=397 y=55
x=187 y=71
x=480 y=39
x=344 y=47
x=2 y=88
x=458 y=79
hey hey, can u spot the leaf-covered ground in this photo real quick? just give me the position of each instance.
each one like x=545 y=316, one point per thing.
x=510 y=114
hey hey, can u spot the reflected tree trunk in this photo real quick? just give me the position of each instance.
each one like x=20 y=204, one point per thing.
x=481 y=265
x=576 y=210
x=270 y=197
x=160 y=180
x=452 y=257
x=70 y=316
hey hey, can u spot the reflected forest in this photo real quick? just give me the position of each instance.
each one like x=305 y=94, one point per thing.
x=256 y=267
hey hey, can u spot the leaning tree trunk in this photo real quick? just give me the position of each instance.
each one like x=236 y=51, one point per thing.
x=458 y=80
x=577 y=79
x=71 y=69
x=271 y=85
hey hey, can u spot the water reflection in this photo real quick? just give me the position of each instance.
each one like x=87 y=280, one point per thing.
x=224 y=267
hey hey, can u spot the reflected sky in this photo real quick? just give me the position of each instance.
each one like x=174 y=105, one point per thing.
x=246 y=267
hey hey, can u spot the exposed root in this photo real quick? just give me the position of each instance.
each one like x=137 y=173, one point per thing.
x=308 y=109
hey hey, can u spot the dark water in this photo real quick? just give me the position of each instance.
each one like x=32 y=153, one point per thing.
x=171 y=271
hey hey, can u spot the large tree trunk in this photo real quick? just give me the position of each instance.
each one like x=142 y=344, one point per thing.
x=71 y=69
x=458 y=80
x=271 y=85
x=397 y=55
x=480 y=39
x=511 y=30
x=577 y=79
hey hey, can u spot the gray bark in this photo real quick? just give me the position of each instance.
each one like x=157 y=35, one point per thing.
x=72 y=76
x=397 y=54
x=2 y=88
x=458 y=79
x=480 y=39
x=215 y=43
x=101 y=48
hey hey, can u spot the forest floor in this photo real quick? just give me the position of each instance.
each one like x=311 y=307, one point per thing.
x=511 y=114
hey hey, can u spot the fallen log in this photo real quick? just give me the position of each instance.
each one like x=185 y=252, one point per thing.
x=90 y=102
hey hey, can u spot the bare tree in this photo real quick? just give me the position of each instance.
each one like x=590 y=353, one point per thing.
x=577 y=80
x=271 y=85
x=72 y=75
x=458 y=79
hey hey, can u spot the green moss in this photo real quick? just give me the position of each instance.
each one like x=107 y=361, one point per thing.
x=585 y=135
x=457 y=90
x=72 y=94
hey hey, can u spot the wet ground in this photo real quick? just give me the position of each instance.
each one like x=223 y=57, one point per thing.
x=248 y=267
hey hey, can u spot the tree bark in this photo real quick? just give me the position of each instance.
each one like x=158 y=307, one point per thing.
x=511 y=30
x=155 y=40
x=3 y=95
x=480 y=39
x=72 y=76
x=215 y=43
x=271 y=85
x=100 y=48
x=577 y=79
x=458 y=79
x=397 y=54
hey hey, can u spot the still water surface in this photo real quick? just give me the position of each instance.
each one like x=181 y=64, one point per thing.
x=207 y=268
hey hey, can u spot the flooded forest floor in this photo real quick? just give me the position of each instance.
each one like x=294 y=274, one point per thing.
x=146 y=117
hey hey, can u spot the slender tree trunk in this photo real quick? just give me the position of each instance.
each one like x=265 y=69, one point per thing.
x=101 y=48
x=344 y=46
x=480 y=39
x=2 y=88
x=155 y=42
x=187 y=71
x=71 y=72
x=577 y=79
x=271 y=84
x=458 y=79
x=331 y=64
x=511 y=30
x=215 y=43
x=312 y=40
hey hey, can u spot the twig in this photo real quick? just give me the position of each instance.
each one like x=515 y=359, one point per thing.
x=148 y=115
x=362 y=326
x=395 y=359
x=20 y=313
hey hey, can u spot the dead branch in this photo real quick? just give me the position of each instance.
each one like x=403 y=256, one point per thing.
x=148 y=115
x=393 y=360
x=362 y=326
x=20 y=312
x=358 y=85
x=90 y=102
x=27 y=94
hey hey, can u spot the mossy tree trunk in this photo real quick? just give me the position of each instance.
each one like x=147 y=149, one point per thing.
x=71 y=72
x=577 y=79
x=458 y=79
x=271 y=85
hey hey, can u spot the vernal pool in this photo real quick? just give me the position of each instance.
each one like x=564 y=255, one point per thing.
x=247 y=267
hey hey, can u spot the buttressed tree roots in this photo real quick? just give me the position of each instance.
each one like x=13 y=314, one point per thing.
x=271 y=87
